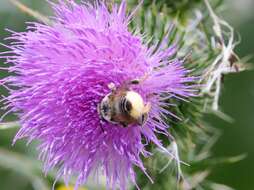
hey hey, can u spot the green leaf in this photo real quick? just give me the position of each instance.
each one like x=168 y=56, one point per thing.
x=24 y=166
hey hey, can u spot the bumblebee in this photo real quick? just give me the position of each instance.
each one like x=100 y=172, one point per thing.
x=124 y=106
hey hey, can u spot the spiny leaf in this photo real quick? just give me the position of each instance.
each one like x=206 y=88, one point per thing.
x=31 y=12
x=9 y=125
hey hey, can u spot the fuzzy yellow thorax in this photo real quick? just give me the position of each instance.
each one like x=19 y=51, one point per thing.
x=137 y=104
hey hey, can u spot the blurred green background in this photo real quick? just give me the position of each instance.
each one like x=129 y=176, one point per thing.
x=237 y=101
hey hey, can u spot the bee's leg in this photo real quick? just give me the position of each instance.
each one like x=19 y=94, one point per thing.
x=101 y=126
x=124 y=124
x=147 y=108
x=151 y=95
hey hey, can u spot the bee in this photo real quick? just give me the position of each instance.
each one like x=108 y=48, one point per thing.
x=124 y=106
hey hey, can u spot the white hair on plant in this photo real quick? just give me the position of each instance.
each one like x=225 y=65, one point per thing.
x=172 y=150
x=213 y=75
x=193 y=36
x=222 y=64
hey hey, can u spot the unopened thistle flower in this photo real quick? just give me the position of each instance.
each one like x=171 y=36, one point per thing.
x=89 y=90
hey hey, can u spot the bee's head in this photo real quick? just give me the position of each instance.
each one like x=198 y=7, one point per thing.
x=136 y=107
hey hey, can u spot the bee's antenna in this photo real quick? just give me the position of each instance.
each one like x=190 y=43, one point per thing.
x=112 y=86
x=140 y=80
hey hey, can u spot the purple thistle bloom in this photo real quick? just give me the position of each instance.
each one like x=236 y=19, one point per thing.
x=62 y=74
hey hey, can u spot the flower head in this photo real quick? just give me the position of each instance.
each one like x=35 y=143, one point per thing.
x=62 y=73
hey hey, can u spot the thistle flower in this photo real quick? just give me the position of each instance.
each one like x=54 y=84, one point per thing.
x=62 y=72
